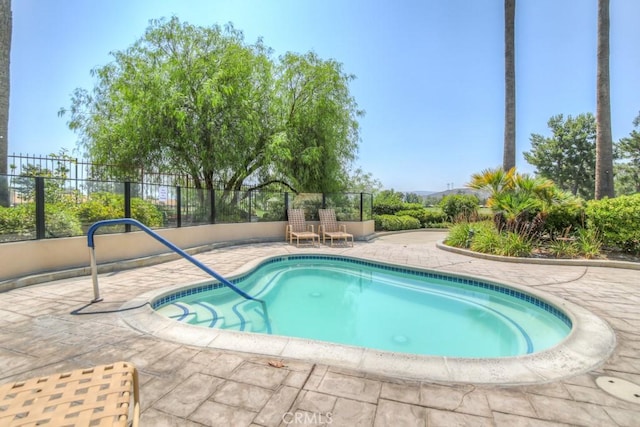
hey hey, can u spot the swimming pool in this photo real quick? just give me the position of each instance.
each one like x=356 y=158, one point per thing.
x=378 y=306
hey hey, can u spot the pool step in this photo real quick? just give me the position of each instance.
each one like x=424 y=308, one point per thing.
x=179 y=311
x=245 y=316
x=198 y=313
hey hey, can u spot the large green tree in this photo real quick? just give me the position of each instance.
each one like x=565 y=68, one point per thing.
x=568 y=156
x=5 y=53
x=627 y=166
x=202 y=101
x=604 y=143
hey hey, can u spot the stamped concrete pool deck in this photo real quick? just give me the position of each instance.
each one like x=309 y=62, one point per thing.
x=50 y=327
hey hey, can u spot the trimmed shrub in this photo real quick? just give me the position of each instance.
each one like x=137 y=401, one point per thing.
x=617 y=221
x=61 y=222
x=427 y=217
x=146 y=212
x=565 y=216
x=388 y=203
x=459 y=207
x=17 y=222
x=109 y=206
x=395 y=222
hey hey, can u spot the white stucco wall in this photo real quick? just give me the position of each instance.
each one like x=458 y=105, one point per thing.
x=21 y=259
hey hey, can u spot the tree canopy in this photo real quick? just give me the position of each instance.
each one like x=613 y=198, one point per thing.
x=203 y=102
x=567 y=157
x=627 y=167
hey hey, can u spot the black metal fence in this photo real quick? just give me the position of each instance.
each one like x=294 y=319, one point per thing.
x=74 y=169
x=48 y=207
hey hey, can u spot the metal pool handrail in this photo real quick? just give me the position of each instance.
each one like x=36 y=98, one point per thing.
x=221 y=279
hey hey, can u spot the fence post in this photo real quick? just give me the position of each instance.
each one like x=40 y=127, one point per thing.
x=127 y=205
x=5 y=198
x=370 y=206
x=286 y=204
x=212 y=203
x=40 y=222
x=324 y=201
x=178 y=207
x=361 y=207
x=75 y=177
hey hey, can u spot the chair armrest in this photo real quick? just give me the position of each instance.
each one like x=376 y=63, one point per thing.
x=310 y=227
x=343 y=228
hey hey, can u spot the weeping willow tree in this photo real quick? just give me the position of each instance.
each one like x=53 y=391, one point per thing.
x=203 y=102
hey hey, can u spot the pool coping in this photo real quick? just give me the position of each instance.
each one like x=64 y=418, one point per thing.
x=588 y=345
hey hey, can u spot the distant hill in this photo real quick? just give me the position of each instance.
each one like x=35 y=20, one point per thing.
x=422 y=193
x=482 y=195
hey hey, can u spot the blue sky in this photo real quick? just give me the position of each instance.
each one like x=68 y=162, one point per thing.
x=430 y=73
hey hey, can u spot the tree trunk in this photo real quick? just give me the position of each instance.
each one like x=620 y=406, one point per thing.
x=604 y=143
x=5 y=49
x=509 y=154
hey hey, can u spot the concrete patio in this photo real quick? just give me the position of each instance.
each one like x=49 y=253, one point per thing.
x=187 y=385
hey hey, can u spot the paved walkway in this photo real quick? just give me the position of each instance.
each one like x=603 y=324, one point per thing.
x=184 y=385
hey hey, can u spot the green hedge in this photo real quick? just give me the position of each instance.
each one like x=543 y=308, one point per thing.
x=17 y=221
x=617 y=220
x=427 y=217
x=395 y=222
x=562 y=217
x=109 y=206
x=61 y=221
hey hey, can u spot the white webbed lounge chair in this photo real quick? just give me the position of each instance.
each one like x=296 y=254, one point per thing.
x=299 y=229
x=330 y=228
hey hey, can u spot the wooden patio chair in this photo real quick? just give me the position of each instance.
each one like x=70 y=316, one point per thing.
x=299 y=229
x=330 y=228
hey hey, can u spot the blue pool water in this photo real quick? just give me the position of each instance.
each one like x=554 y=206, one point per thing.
x=355 y=302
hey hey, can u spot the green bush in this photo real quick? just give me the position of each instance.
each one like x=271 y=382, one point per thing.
x=459 y=235
x=146 y=212
x=388 y=202
x=16 y=222
x=485 y=238
x=426 y=216
x=19 y=221
x=395 y=222
x=589 y=242
x=565 y=216
x=459 y=207
x=562 y=248
x=60 y=221
x=617 y=221
x=103 y=206
x=514 y=244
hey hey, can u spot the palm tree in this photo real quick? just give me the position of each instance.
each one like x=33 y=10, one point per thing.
x=509 y=154
x=604 y=142
x=520 y=203
x=5 y=49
